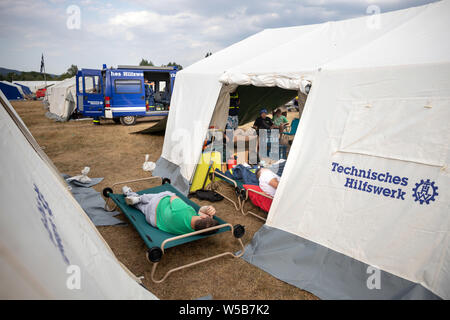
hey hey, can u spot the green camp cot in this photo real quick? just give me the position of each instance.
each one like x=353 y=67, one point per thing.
x=157 y=241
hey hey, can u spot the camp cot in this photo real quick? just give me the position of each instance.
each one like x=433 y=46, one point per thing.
x=242 y=193
x=157 y=240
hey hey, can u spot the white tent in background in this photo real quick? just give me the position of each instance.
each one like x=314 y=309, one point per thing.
x=35 y=85
x=362 y=207
x=61 y=99
x=49 y=249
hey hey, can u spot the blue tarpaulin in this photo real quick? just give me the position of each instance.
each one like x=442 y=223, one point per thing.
x=11 y=92
x=25 y=89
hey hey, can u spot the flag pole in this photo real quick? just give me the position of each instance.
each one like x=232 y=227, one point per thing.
x=43 y=68
x=45 y=77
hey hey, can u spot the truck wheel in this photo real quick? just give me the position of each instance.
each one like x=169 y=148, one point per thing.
x=116 y=120
x=128 y=120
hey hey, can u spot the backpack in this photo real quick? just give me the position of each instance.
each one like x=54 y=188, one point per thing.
x=208 y=195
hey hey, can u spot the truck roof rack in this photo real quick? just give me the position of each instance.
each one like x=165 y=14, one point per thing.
x=144 y=67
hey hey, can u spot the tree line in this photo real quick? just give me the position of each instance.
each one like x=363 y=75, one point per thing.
x=71 y=72
x=37 y=76
x=145 y=62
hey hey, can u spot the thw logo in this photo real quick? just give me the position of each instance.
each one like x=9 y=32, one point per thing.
x=425 y=191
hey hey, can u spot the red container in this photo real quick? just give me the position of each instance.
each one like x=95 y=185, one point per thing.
x=41 y=93
x=231 y=163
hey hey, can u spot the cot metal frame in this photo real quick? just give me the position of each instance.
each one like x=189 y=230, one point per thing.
x=241 y=194
x=155 y=254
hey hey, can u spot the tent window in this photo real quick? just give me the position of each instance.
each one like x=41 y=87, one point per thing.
x=412 y=131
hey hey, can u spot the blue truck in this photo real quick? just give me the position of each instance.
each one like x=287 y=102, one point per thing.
x=122 y=93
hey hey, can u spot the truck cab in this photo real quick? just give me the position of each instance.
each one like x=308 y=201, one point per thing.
x=120 y=94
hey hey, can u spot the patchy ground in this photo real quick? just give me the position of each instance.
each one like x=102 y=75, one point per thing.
x=116 y=155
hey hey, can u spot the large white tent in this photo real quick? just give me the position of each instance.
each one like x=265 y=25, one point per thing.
x=49 y=249
x=61 y=99
x=378 y=113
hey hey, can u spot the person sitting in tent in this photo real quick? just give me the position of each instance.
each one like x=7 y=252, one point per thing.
x=169 y=213
x=268 y=181
x=263 y=122
x=279 y=120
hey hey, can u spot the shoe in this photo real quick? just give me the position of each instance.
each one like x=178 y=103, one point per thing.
x=131 y=201
x=126 y=190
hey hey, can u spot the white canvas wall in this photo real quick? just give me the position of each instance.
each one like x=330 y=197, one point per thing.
x=380 y=100
x=44 y=232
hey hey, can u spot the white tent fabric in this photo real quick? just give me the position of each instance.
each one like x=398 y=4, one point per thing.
x=274 y=57
x=46 y=239
x=35 y=85
x=389 y=113
x=380 y=101
x=61 y=99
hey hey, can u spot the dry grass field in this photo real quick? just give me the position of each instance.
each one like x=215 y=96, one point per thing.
x=115 y=154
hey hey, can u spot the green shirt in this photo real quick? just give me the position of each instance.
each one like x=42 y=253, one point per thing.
x=174 y=217
x=280 y=120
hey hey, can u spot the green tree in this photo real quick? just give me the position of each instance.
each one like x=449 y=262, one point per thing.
x=145 y=62
x=173 y=64
x=71 y=72
x=11 y=76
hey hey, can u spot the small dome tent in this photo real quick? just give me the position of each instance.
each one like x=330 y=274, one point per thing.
x=10 y=91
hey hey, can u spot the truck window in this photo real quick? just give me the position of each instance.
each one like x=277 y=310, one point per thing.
x=128 y=86
x=162 y=86
x=80 y=85
x=92 y=84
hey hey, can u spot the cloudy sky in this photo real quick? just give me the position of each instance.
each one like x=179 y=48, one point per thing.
x=89 y=33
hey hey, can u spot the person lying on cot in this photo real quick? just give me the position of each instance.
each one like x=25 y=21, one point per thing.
x=169 y=213
x=268 y=181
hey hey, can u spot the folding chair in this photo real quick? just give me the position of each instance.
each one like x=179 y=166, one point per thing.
x=246 y=196
x=241 y=192
x=238 y=187
x=293 y=127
